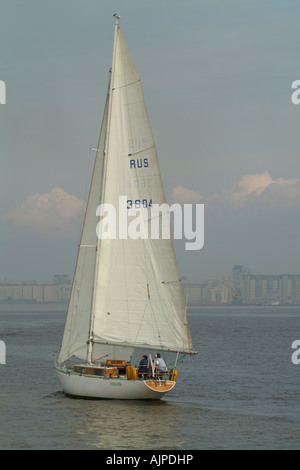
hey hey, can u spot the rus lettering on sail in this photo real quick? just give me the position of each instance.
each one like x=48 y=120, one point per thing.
x=139 y=163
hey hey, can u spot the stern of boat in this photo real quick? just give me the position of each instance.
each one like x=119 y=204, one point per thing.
x=160 y=386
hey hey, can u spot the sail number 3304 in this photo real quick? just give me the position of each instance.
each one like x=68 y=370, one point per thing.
x=139 y=203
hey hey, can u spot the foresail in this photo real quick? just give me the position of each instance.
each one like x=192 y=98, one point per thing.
x=138 y=297
x=77 y=325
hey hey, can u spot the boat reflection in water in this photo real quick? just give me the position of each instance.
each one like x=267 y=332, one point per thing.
x=121 y=425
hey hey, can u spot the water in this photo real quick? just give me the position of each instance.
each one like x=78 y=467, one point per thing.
x=241 y=391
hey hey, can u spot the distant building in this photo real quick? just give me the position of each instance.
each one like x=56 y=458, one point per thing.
x=238 y=272
x=267 y=289
x=290 y=288
x=26 y=292
x=256 y=289
x=204 y=293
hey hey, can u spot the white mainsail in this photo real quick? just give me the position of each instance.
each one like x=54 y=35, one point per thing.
x=126 y=292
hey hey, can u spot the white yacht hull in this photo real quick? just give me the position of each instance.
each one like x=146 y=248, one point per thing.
x=86 y=386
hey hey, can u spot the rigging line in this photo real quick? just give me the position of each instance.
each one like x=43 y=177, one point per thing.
x=174 y=363
x=153 y=315
x=188 y=336
x=158 y=332
x=148 y=292
x=167 y=318
x=137 y=334
x=148 y=288
x=148 y=302
x=102 y=357
x=95 y=132
x=74 y=325
x=160 y=300
x=85 y=195
x=76 y=300
x=187 y=326
x=166 y=315
x=182 y=334
x=183 y=329
x=126 y=84
x=140 y=151
x=159 y=216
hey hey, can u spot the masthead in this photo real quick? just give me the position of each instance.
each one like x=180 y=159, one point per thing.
x=117 y=17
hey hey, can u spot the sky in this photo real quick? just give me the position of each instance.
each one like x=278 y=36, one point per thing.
x=217 y=77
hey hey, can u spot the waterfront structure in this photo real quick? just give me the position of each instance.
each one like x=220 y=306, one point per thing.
x=209 y=292
x=260 y=289
x=266 y=289
x=32 y=292
x=254 y=289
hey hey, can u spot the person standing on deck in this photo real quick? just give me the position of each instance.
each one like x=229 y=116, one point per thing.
x=159 y=363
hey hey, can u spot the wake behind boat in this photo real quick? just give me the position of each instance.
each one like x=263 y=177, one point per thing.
x=126 y=291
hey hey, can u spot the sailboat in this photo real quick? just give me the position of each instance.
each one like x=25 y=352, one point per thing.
x=126 y=293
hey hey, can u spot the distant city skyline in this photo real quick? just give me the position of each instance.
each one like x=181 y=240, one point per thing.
x=228 y=273
x=241 y=288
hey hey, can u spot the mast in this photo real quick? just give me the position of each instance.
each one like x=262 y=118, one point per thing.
x=105 y=156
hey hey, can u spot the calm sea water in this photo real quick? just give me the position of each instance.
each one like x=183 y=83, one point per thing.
x=242 y=391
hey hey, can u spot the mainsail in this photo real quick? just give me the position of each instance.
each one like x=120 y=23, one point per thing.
x=126 y=292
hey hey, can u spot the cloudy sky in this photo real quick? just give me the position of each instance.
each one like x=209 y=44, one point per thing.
x=217 y=78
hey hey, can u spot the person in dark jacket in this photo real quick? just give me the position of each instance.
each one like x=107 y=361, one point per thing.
x=143 y=366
